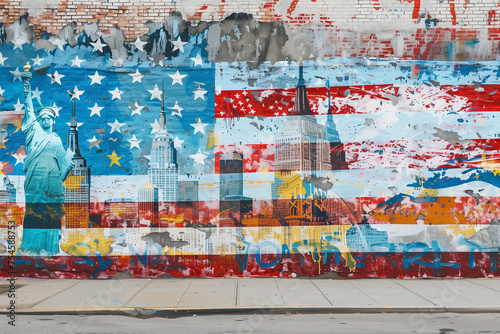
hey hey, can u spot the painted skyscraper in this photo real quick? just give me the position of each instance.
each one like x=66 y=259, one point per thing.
x=232 y=204
x=331 y=135
x=77 y=184
x=148 y=206
x=188 y=200
x=301 y=146
x=302 y=150
x=163 y=168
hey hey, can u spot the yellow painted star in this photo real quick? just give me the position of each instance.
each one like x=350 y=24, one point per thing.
x=115 y=159
x=2 y=142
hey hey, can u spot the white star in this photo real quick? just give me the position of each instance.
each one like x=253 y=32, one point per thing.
x=177 y=78
x=116 y=126
x=19 y=157
x=19 y=106
x=200 y=94
x=77 y=61
x=134 y=142
x=2 y=91
x=78 y=124
x=56 y=109
x=18 y=44
x=199 y=126
x=95 y=110
x=77 y=93
x=199 y=157
x=137 y=76
x=176 y=110
x=155 y=93
x=117 y=62
x=3 y=59
x=96 y=78
x=36 y=94
x=179 y=44
x=16 y=74
x=56 y=77
x=94 y=142
x=98 y=45
x=178 y=142
x=136 y=108
x=117 y=94
x=155 y=126
x=197 y=60
x=37 y=61
x=139 y=44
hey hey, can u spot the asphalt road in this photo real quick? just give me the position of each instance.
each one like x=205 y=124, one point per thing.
x=439 y=323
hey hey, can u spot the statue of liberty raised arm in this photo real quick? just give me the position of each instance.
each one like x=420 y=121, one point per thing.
x=46 y=166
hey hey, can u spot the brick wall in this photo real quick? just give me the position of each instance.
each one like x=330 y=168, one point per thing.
x=413 y=29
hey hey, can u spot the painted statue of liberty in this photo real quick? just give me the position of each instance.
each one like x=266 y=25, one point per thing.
x=46 y=166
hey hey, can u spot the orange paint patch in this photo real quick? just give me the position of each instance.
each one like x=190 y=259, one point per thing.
x=443 y=211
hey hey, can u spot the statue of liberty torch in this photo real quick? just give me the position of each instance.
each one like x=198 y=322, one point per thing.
x=46 y=166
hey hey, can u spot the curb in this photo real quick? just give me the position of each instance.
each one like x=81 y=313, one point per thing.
x=143 y=312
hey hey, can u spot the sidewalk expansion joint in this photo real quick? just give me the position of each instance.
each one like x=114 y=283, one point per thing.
x=58 y=292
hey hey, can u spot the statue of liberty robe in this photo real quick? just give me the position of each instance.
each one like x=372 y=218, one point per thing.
x=46 y=166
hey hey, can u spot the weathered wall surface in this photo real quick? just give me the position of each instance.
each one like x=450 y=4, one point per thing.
x=243 y=138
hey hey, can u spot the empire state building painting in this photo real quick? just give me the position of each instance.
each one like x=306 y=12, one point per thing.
x=77 y=184
x=163 y=169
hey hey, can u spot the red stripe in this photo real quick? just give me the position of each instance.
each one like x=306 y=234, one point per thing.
x=398 y=153
x=277 y=102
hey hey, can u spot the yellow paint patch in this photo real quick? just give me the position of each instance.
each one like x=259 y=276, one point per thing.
x=490 y=164
x=83 y=242
x=429 y=193
x=454 y=230
x=264 y=170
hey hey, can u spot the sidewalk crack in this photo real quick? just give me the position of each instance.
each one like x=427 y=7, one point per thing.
x=41 y=301
x=484 y=286
x=135 y=294
x=367 y=295
x=415 y=293
x=180 y=299
x=279 y=290
x=237 y=292
x=322 y=293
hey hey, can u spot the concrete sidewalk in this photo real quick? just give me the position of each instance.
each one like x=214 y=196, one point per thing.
x=181 y=297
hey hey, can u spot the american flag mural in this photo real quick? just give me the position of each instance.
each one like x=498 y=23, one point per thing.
x=150 y=157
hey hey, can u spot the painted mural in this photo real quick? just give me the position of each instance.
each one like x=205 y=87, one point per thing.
x=185 y=152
